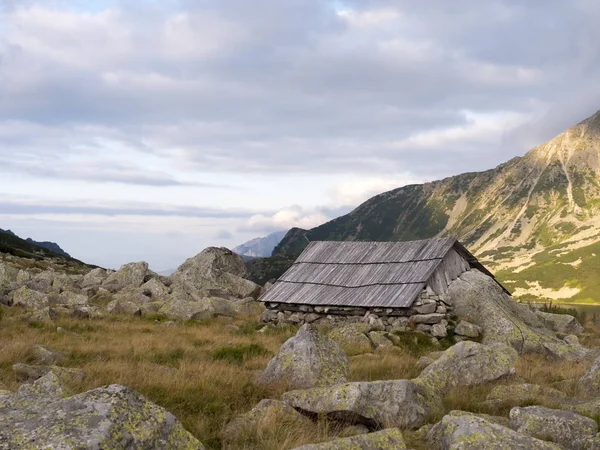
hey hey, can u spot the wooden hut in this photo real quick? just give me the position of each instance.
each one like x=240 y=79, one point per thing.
x=397 y=282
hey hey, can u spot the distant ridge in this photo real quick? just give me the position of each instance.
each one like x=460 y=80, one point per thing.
x=259 y=247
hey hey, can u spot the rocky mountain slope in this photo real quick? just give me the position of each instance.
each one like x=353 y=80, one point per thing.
x=30 y=253
x=534 y=220
x=260 y=247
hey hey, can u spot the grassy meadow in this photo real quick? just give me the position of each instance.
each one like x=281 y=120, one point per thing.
x=204 y=372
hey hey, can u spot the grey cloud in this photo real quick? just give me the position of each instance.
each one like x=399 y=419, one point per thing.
x=303 y=91
x=23 y=208
x=223 y=234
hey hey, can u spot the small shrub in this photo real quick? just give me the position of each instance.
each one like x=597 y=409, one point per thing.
x=238 y=353
x=415 y=343
x=249 y=328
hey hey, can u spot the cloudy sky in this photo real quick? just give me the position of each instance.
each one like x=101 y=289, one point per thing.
x=150 y=129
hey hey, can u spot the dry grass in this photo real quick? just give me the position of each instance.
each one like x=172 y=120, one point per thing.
x=204 y=372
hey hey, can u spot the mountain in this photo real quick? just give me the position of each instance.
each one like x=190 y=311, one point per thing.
x=260 y=247
x=11 y=244
x=534 y=220
x=53 y=246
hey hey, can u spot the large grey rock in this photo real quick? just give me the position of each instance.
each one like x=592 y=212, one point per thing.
x=464 y=431
x=46 y=355
x=352 y=337
x=8 y=274
x=42 y=315
x=32 y=372
x=563 y=351
x=480 y=300
x=381 y=440
x=398 y=403
x=94 y=278
x=110 y=417
x=307 y=360
x=72 y=299
x=468 y=364
x=590 y=380
x=129 y=275
x=562 y=427
x=28 y=298
x=183 y=307
x=467 y=329
x=268 y=415
x=215 y=272
x=561 y=323
x=522 y=394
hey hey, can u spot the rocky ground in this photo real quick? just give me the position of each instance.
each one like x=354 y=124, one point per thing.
x=129 y=359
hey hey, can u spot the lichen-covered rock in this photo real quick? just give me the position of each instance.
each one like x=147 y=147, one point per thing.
x=561 y=427
x=249 y=306
x=307 y=360
x=352 y=337
x=467 y=329
x=398 y=403
x=590 y=380
x=123 y=307
x=379 y=339
x=31 y=372
x=94 y=278
x=182 y=307
x=562 y=351
x=42 y=315
x=8 y=274
x=29 y=298
x=480 y=300
x=440 y=330
x=46 y=355
x=129 y=275
x=110 y=417
x=522 y=394
x=266 y=416
x=154 y=289
x=465 y=431
x=468 y=364
x=72 y=299
x=381 y=440
x=215 y=272
x=561 y=323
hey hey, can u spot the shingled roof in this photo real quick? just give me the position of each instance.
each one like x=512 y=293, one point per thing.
x=364 y=274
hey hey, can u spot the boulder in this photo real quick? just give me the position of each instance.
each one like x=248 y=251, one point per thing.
x=72 y=299
x=440 y=330
x=379 y=339
x=468 y=364
x=268 y=415
x=123 y=307
x=29 y=298
x=381 y=440
x=590 y=380
x=561 y=427
x=42 y=315
x=249 y=306
x=154 y=289
x=399 y=403
x=465 y=431
x=30 y=372
x=522 y=394
x=561 y=323
x=94 y=278
x=182 y=307
x=467 y=329
x=562 y=351
x=477 y=298
x=352 y=337
x=46 y=355
x=307 y=360
x=8 y=274
x=110 y=417
x=129 y=275
x=215 y=272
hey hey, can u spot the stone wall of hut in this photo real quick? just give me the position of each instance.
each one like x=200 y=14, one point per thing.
x=429 y=313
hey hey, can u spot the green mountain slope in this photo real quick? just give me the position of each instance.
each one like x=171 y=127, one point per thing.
x=534 y=220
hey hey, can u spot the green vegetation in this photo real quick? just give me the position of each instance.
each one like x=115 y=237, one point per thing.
x=239 y=353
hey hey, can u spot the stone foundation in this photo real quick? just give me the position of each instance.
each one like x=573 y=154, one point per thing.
x=429 y=313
